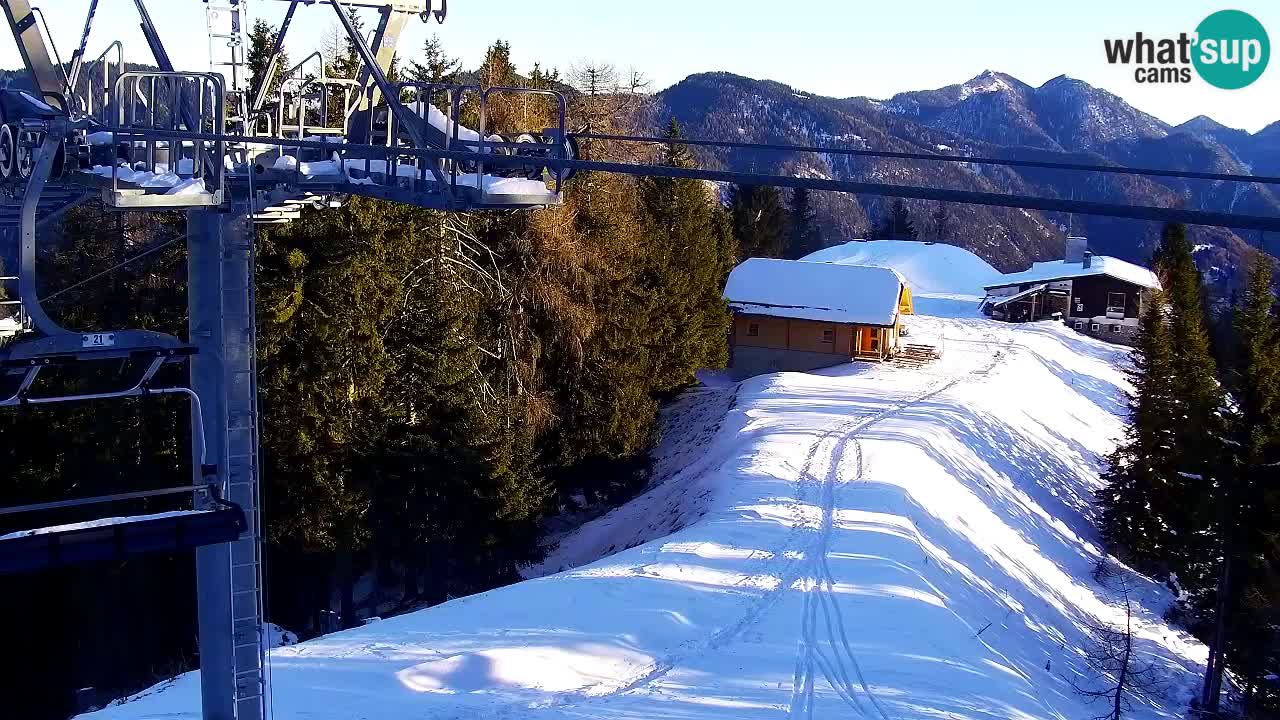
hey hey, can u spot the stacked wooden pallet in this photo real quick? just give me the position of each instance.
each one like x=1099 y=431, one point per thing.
x=916 y=355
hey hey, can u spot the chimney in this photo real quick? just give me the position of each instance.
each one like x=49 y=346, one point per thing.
x=1076 y=247
x=1087 y=260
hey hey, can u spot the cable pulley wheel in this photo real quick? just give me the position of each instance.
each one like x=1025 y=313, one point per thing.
x=8 y=152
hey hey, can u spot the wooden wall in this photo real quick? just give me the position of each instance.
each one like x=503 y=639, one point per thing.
x=785 y=334
x=1092 y=292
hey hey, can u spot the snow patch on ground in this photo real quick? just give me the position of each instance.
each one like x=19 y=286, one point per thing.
x=878 y=541
x=678 y=493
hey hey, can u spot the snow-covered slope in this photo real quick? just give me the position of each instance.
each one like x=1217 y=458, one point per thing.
x=930 y=268
x=877 y=541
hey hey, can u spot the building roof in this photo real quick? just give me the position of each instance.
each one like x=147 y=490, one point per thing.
x=935 y=269
x=826 y=292
x=1063 y=270
x=997 y=302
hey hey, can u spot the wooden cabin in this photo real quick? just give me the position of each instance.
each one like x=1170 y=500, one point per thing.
x=797 y=316
x=1094 y=294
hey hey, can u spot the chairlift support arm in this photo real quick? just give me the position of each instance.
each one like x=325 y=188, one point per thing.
x=45 y=76
x=77 y=57
x=260 y=93
x=379 y=78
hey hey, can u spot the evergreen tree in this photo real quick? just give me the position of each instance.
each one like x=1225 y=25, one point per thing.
x=1198 y=402
x=262 y=40
x=1242 y=607
x=942 y=222
x=759 y=221
x=804 y=236
x=897 y=224
x=685 y=275
x=1141 y=465
x=436 y=67
x=1157 y=507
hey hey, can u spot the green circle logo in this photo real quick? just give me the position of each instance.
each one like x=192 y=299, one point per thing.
x=1232 y=49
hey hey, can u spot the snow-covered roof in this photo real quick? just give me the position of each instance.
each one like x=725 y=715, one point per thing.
x=827 y=292
x=930 y=268
x=1063 y=270
x=1011 y=298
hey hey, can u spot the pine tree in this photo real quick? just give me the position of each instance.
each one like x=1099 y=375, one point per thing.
x=689 y=318
x=436 y=67
x=1141 y=464
x=942 y=222
x=804 y=234
x=1157 y=507
x=262 y=39
x=897 y=224
x=1198 y=404
x=759 y=221
x=1247 y=592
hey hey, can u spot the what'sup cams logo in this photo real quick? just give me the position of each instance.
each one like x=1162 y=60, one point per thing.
x=1229 y=50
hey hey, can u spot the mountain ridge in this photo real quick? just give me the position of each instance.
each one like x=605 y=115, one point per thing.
x=993 y=114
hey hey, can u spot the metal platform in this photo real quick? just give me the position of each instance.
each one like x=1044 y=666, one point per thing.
x=115 y=539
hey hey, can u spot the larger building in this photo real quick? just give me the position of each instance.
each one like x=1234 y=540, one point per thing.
x=1095 y=294
x=795 y=315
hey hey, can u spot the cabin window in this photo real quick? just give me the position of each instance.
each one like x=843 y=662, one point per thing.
x=1095 y=327
x=829 y=336
x=1115 y=302
x=1115 y=328
x=753 y=330
x=1079 y=324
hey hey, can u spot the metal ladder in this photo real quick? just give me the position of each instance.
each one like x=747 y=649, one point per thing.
x=242 y=476
x=226 y=21
x=221 y=298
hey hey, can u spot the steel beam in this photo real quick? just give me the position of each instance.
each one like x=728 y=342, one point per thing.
x=264 y=84
x=220 y=301
x=401 y=113
x=27 y=289
x=77 y=58
x=390 y=24
x=153 y=38
x=46 y=77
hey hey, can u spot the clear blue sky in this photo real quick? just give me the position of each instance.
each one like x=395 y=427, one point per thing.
x=832 y=47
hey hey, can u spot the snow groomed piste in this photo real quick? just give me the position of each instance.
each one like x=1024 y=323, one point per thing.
x=868 y=541
x=170 y=144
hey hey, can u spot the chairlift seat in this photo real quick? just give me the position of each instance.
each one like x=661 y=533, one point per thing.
x=116 y=539
x=22 y=361
x=81 y=347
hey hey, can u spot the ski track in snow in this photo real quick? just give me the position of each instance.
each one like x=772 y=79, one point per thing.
x=831 y=547
x=796 y=566
x=819 y=582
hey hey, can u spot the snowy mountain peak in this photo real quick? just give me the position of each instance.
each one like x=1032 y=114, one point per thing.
x=989 y=81
x=1203 y=124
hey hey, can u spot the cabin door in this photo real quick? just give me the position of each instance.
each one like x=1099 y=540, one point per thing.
x=868 y=341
